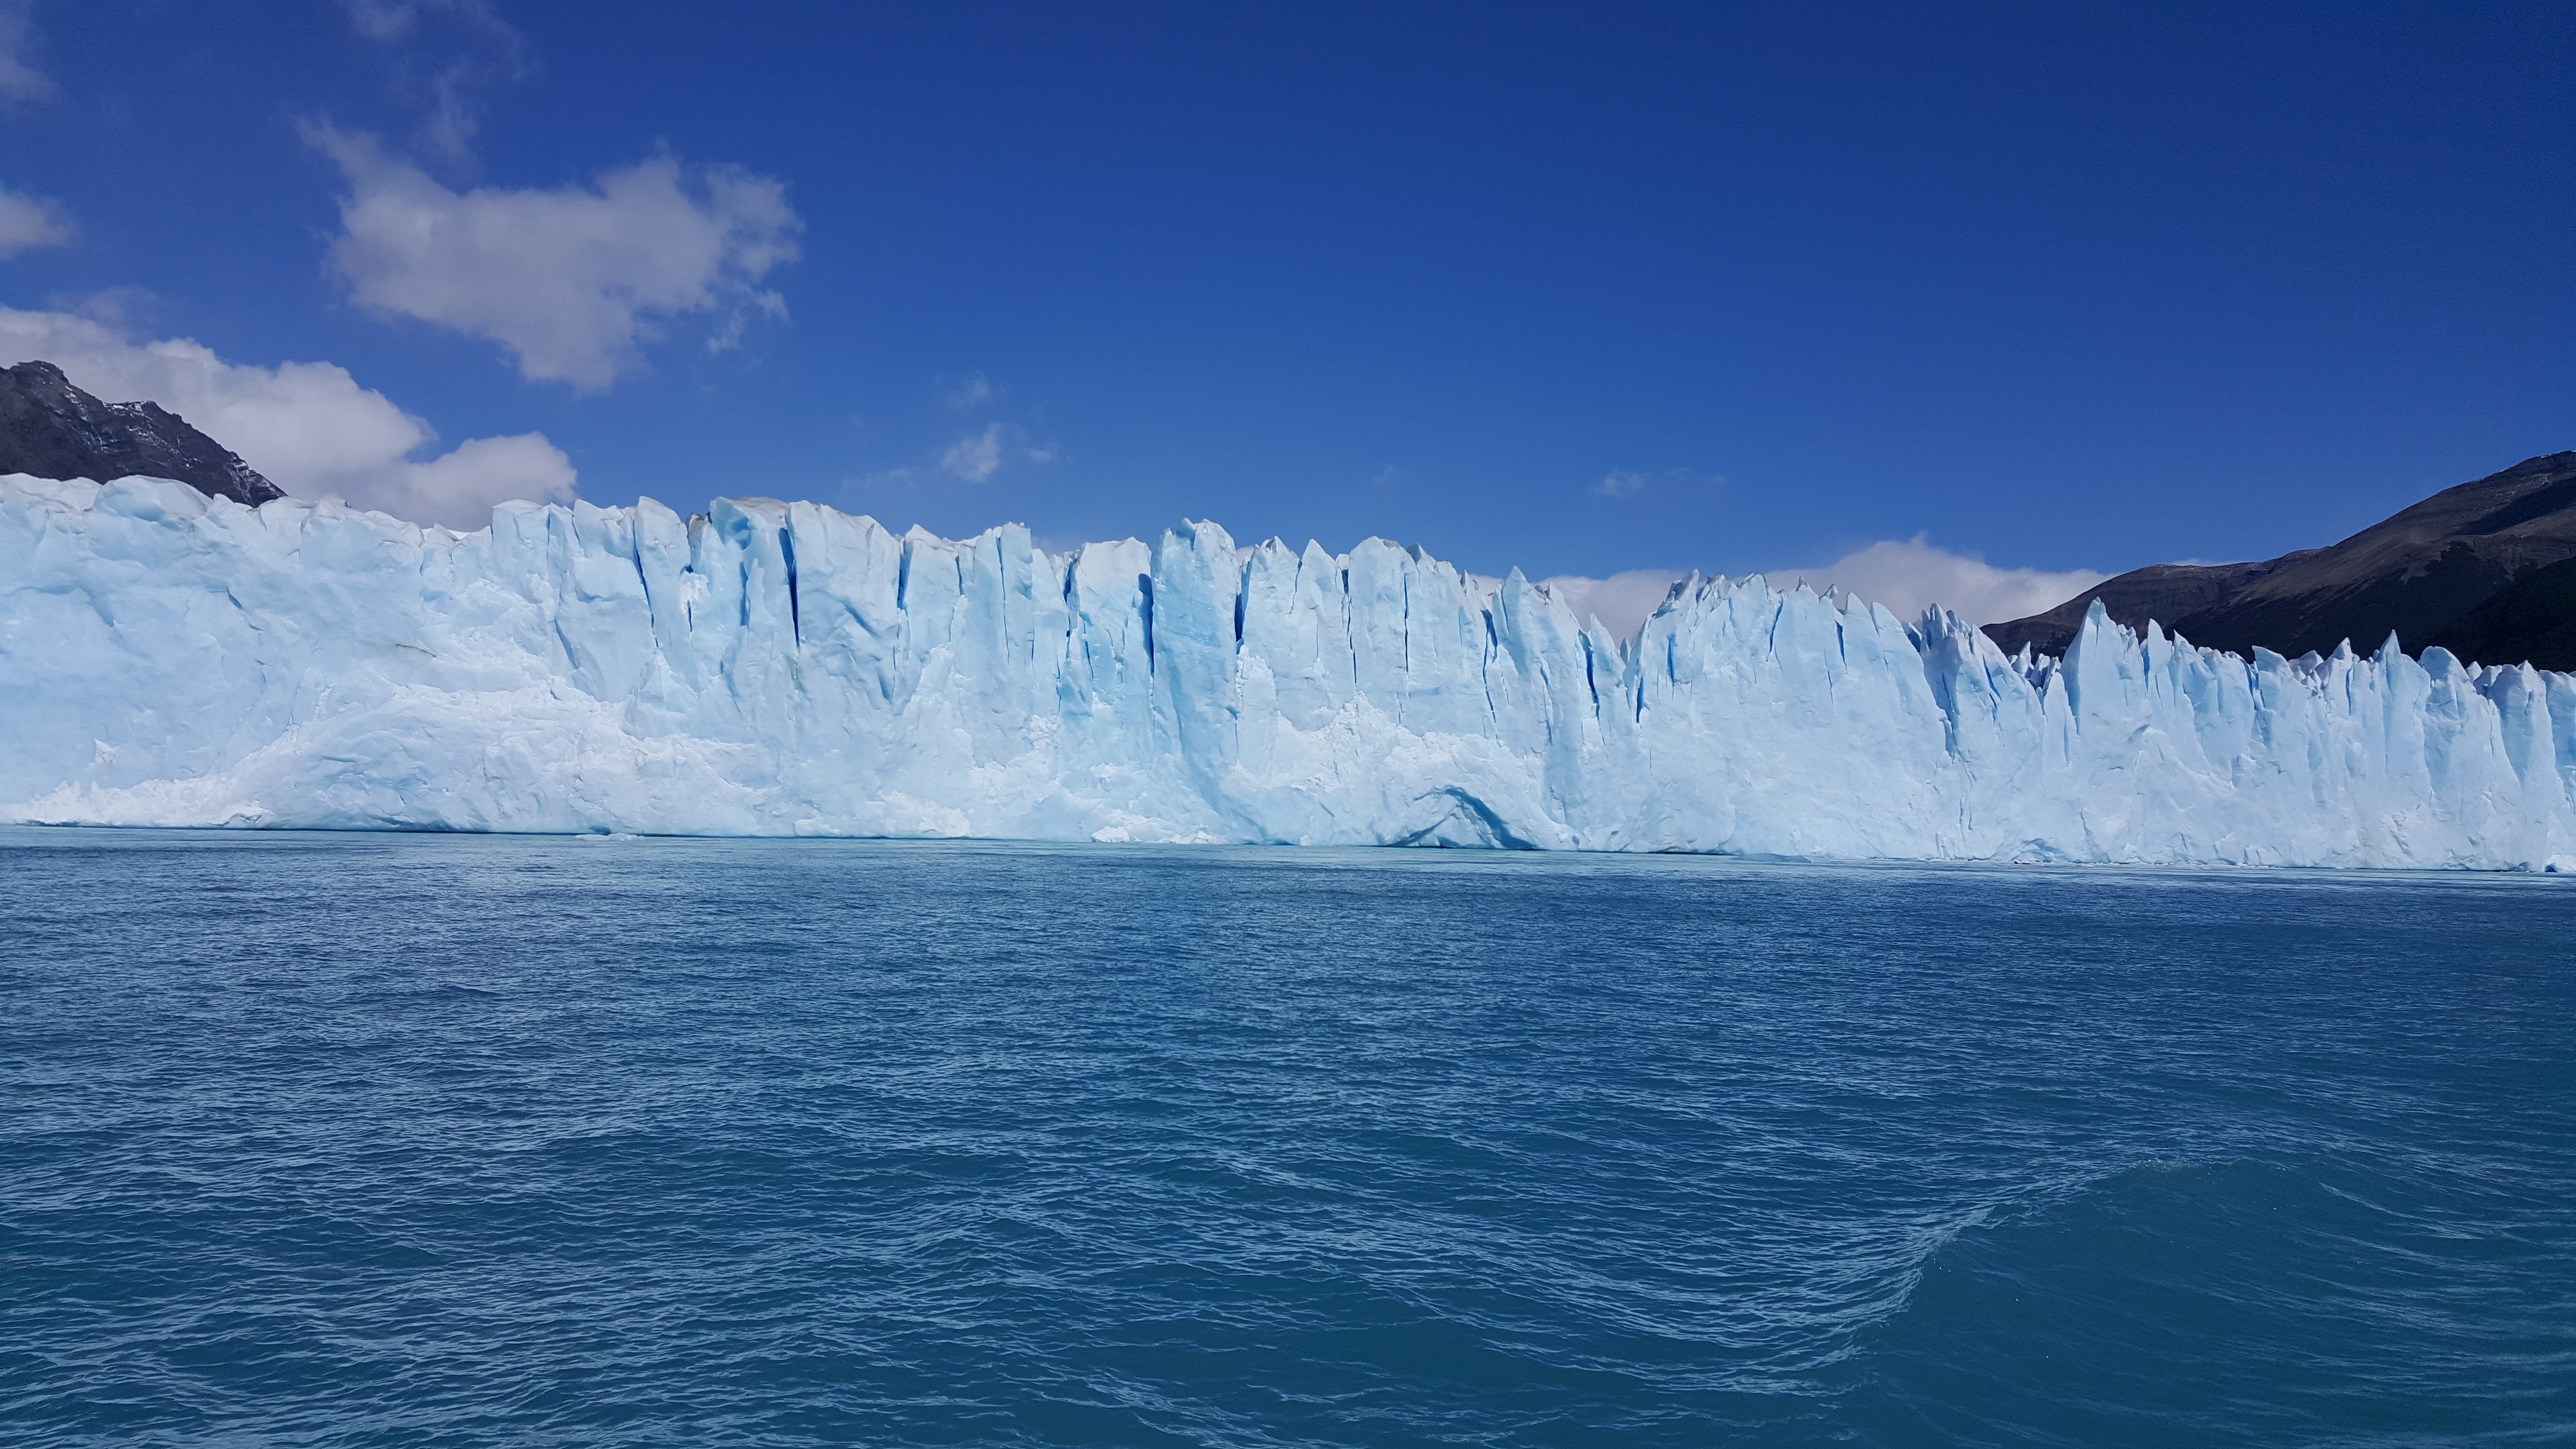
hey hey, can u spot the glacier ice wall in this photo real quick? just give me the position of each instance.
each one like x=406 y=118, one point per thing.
x=781 y=668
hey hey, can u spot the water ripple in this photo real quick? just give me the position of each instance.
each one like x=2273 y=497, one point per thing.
x=428 y=1140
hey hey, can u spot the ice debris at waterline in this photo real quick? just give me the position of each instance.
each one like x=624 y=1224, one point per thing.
x=777 y=668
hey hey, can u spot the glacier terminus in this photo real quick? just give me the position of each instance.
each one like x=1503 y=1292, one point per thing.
x=767 y=668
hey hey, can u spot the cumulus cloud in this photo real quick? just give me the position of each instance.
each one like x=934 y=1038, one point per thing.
x=459 y=487
x=1621 y=602
x=28 y=222
x=1906 y=576
x=19 y=78
x=1910 y=575
x=308 y=426
x=569 y=281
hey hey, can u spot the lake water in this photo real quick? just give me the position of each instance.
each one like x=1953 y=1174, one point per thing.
x=401 y=1139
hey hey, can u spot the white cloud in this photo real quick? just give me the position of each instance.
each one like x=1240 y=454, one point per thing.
x=1618 y=483
x=28 y=222
x=1621 y=602
x=308 y=426
x=974 y=457
x=1911 y=575
x=458 y=488
x=19 y=78
x=570 y=281
x=384 y=23
x=975 y=392
x=469 y=49
x=393 y=20
x=117 y=307
x=1906 y=576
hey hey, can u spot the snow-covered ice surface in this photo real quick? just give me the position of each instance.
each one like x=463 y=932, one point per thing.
x=781 y=668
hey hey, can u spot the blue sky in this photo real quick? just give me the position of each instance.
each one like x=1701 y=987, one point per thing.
x=1580 y=289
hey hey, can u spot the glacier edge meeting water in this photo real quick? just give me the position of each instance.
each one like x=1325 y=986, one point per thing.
x=775 y=668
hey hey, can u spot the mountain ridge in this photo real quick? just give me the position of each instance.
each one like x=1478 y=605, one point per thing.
x=2417 y=574
x=52 y=429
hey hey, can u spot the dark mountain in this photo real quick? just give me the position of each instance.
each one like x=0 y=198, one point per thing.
x=2532 y=618
x=54 y=430
x=2158 y=591
x=2418 y=574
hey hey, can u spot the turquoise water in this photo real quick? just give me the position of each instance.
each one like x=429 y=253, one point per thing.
x=319 y=1140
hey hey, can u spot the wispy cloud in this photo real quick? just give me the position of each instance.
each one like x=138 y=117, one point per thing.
x=117 y=308
x=1619 y=483
x=973 y=458
x=393 y=20
x=308 y=426
x=28 y=222
x=446 y=54
x=19 y=78
x=975 y=392
x=572 y=280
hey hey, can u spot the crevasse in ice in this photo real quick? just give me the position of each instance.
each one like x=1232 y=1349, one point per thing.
x=778 y=668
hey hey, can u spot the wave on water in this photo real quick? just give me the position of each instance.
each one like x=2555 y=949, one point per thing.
x=393 y=1139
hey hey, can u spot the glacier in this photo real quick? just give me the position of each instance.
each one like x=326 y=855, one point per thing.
x=783 y=668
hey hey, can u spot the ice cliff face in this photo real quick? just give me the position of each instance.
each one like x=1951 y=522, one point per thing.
x=781 y=668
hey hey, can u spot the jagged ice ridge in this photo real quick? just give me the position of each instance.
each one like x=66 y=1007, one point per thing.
x=782 y=668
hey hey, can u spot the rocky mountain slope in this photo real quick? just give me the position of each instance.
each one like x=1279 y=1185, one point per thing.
x=2532 y=619
x=52 y=429
x=2418 y=574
